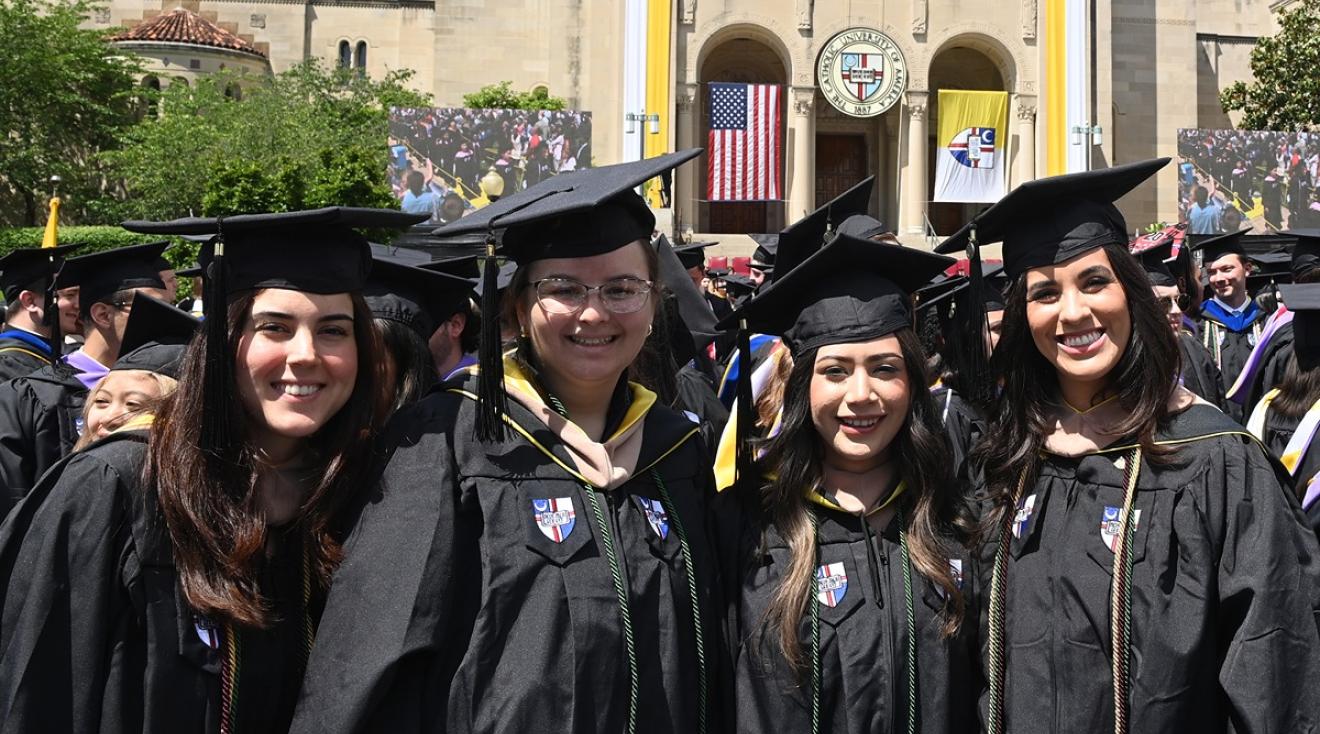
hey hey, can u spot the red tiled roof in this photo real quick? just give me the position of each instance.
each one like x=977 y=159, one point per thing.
x=184 y=26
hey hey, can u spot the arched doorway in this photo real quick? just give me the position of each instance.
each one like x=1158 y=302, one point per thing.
x=745 y=59
x=962 y=64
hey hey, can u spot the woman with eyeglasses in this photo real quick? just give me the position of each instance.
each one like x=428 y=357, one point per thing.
x=1148 y=569
x=1198 y=372
x=537 y=557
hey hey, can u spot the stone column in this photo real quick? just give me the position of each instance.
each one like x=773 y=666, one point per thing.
x=913 y=206
x=686 y=181
x=1026 y=142
x=882 y=172
x=802 y=176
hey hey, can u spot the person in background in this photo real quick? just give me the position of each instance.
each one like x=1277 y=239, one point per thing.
x=1231 y=321
x=39 y=412
x=71 y=325
x=170 y=278
x=1204 y=213
x=25 y=278
x=418 y=199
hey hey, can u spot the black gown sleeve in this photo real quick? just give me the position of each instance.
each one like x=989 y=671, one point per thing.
x=1269 y=595
x=17 y=444
x=65 y=606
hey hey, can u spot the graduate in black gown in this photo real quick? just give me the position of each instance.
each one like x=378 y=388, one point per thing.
x=1287 y=418
x=26 y=278
x=849 y=591
x=1148 y=567
x=537 y=558
x=1231 y=321
x=39 y=412
x=1199 y=373
x=170 y=580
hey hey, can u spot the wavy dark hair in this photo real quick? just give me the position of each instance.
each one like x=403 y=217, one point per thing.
x=216 y=528
x=1142 y=381
x=936 y=524
x=1298 y=391
x=414 y=367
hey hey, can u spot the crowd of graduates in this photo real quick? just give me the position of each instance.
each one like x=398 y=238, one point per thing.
x=585 y=480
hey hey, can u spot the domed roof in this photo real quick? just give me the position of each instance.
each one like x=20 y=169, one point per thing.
x=184 y=26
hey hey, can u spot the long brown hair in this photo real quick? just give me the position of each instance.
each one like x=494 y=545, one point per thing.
x=1143 y=380
x=217 y=531
x=796 y=454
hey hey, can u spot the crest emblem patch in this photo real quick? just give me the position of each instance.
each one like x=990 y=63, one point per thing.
x=1111 y=524
x=555 y=517
x=206 y=631
x=656 y=516
x=831 y=584
x=1022 y=520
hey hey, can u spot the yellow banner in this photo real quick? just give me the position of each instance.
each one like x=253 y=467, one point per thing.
x=972 y=160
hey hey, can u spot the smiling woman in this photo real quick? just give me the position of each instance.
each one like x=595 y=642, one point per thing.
x=195 y=602
x=1107 y=479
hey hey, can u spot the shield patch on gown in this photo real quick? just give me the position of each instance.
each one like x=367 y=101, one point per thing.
x=1111 y=524
x=656 y=516
x=207 y=632
x=1022 y=520
x=831 y=584
x=555 y=517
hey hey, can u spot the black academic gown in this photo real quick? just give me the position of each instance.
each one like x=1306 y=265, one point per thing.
x=95 y=634
x=1273 y=364
x=696 y=395
x=454 y=611
x=1229 y=350
x=18 y=358
x=1199 y=372
x=39 y=417
x=963 y=424
x=1279 y=430
x=863 y=635
x=1225 y=589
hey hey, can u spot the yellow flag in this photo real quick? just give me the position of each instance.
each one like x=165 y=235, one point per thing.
x=971 y=164
x=52 y=236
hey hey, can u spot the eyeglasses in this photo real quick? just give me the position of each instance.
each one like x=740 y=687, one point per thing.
x=1166 y=303
x=567 y=296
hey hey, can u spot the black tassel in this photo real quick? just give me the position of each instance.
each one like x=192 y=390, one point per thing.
x=217 y=436
x=743 y=466
x=490 y=354
x=50 y=317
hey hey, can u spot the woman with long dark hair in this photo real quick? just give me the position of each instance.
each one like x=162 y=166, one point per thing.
x=172 y=581
x=1150 y=571
x=537 y=556
x=842 y=553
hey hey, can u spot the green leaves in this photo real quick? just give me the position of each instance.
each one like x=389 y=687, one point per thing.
x=305 y=138
x=502 y=97
x=1286 y=92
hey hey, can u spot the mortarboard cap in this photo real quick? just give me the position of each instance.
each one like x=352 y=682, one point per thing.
x=695 y=329
x=1213 y=248
x=418 y=298
x=803 y=238
x=692 y=255
x=1153 y=260
x=1303 y=300
x=30 y=266
x=464 y=266
x=196 y=271
x=1052 y=220
x=1270 y=267
x=763 y=258
x=863 y=226
x=1305 y=254
x=101 y=274
x=155 y=337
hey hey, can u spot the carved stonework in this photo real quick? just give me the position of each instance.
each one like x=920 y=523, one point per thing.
x=1026 y=110
x=804 y=10
x=689 y=11
x=687 y=100
x=803 y=104
x=917 y=108
x=1028 y=19
x=919 y=14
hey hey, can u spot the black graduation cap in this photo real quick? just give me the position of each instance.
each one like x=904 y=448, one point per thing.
x=418 y=298
x=195 y=271
x=1052 y=220
x=863 y=226
x=315 y=251
x=155 y=337
x=1213 y=248
x=1271 y=267
x=763 y=258
x=101 y=274
x=856 y=200
x=738 y=286
x=992 y=295
x=803 y=238
x=578 y=214
x=692 y=255
x=1305 y=254
x=1303 y=299
x=30 y=266
x=1154 y=261
x=463 y=266
x=695 y=327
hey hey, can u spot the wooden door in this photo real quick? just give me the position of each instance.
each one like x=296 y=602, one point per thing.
x=841 y=162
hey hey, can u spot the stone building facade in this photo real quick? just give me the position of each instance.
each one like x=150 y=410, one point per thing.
x=1136 y=69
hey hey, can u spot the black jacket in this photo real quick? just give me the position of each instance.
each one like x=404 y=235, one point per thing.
x=39 y=424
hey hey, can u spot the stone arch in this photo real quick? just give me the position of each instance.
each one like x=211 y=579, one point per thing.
x=732 y=26
x=1009 y=57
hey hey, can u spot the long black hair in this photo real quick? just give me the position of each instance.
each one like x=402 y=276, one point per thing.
x=795 y=456
x=1142 y=381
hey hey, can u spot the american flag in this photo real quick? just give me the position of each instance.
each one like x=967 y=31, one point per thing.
x=745 y=149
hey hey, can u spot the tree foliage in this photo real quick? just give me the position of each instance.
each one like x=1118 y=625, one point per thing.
x=1286 y=92
x=67 y=94
x=503 y=97
x=307 y=137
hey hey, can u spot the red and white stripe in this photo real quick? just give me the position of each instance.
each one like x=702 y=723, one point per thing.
x=745 y=165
